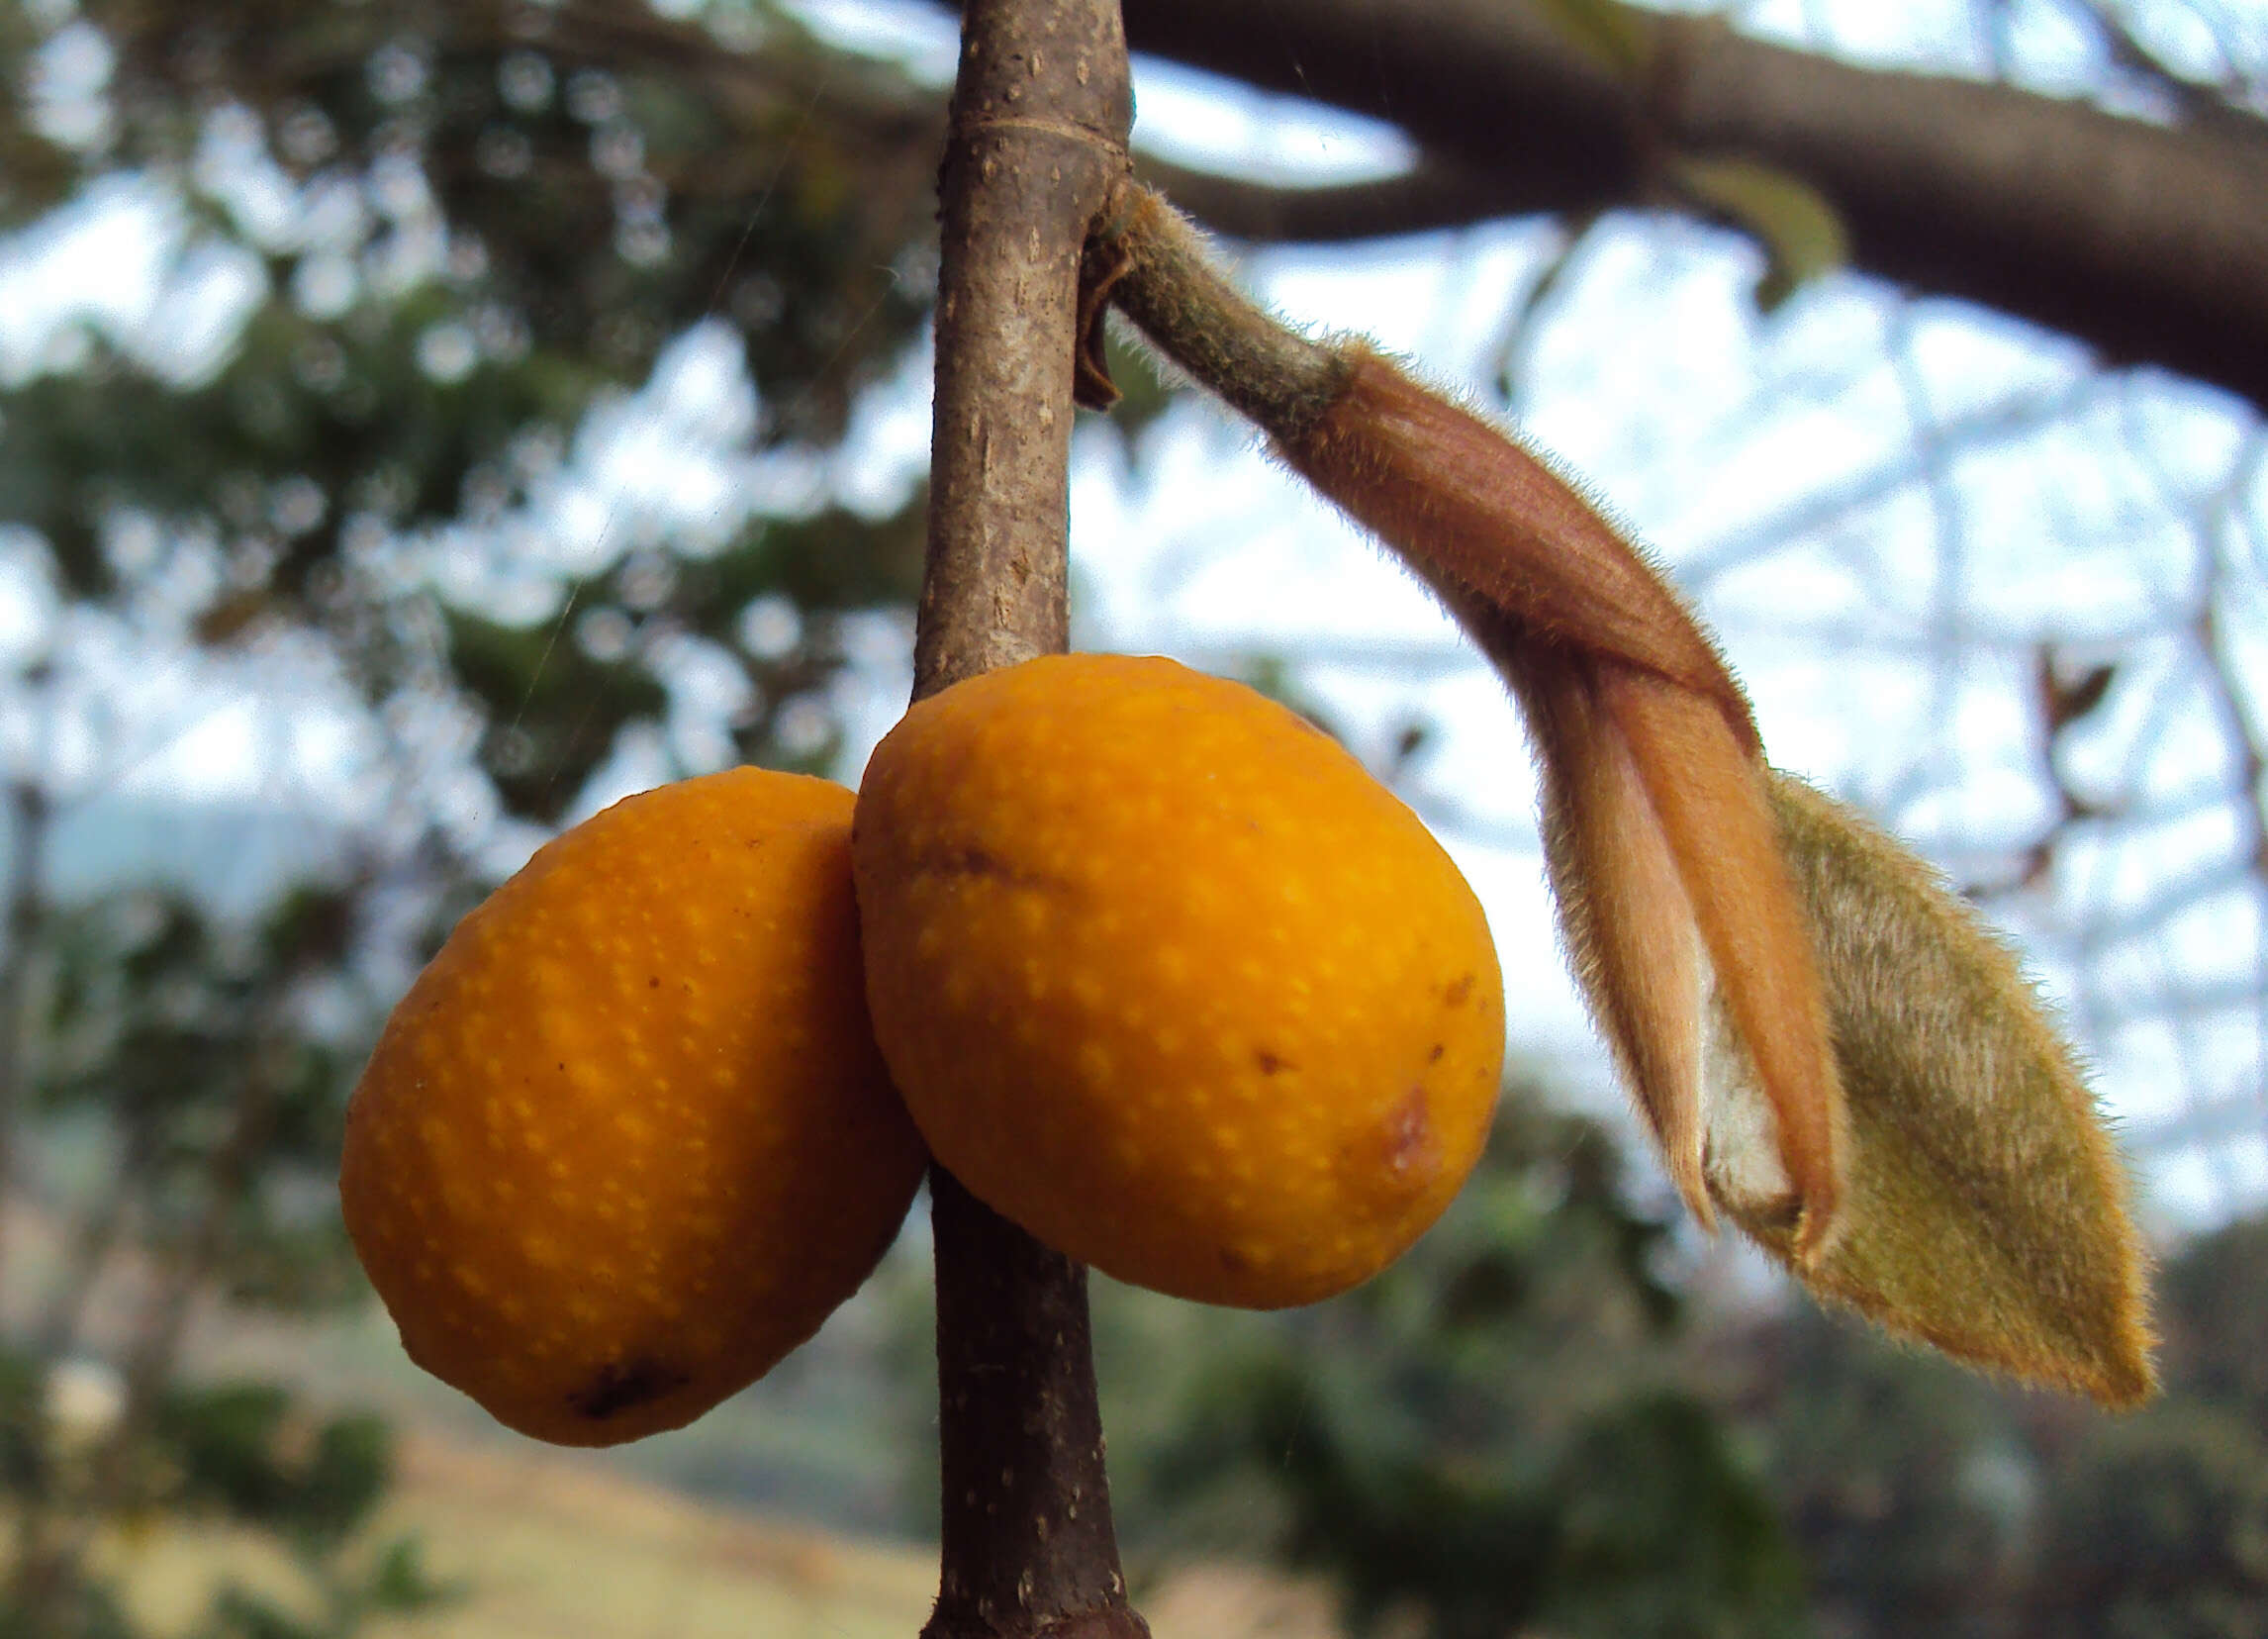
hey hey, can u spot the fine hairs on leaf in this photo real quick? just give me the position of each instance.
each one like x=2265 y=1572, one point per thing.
x=1460 y=502
x=1829 y=1048
x=1987 y=1210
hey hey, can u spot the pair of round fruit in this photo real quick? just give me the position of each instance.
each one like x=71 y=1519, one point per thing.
x=1152 y=966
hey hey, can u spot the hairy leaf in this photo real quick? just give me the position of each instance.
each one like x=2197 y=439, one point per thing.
x=1984 y=1205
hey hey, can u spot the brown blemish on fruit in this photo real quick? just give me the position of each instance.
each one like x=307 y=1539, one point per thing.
x=624 y=1386
x=1456 y=992
x=1433 y=1057
x=985 y=865
x=969 y=862
x=1412 y=1151
x=1270 y=1064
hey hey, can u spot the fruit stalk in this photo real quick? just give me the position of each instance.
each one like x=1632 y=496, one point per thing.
x=1037 y=140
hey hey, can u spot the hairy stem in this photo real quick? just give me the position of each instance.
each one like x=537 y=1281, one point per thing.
x=1165 y=281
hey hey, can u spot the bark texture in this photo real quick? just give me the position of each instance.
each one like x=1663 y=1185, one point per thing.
x=1038 y=132
x=1037 y=139
x=1029 y=1547
x=2147 y=242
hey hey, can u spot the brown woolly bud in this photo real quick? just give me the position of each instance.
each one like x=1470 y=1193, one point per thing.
x=1709 y=795
x=1662 y=853
x=1627 y=923
x=1676 y=903
x=1464 y=503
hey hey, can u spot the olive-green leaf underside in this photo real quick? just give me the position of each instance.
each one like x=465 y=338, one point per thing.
x=1612 y=34
x=1801 y=232
x=1984 y=1206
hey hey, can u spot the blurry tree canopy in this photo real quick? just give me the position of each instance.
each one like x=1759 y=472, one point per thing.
x=412 y=266
x=197 y=1069
x=464 y=229
x=1929 y=1501
x=2124 y=225
x=1527 y=1421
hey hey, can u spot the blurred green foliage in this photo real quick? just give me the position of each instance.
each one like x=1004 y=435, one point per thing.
x=413 y=262
x=244 y=1453
x=1523 y=1426
x=1495 y=1435
x=464 y=229
x=191 y=1050
x=206 y=1065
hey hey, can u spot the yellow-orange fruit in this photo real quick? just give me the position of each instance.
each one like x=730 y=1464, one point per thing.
x=1168 y=979
x=628 y=1141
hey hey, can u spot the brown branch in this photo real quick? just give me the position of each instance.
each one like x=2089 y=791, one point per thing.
x=1439 y=192
x=1038 y=136
x=28 y=821
x=2147 y=244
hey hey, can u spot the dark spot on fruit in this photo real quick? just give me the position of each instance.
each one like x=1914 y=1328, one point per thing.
x=1235 y=1262
x=1433 y=1057
x=653 y=981
x=1411 y=1151
x=624 y=1386
x=970 y=862
x=980 y=862
x=1456 y=992
x=1270 y=1064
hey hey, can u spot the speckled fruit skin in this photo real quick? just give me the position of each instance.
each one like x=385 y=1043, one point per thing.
x=1168 y=979
x=628 y=1141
